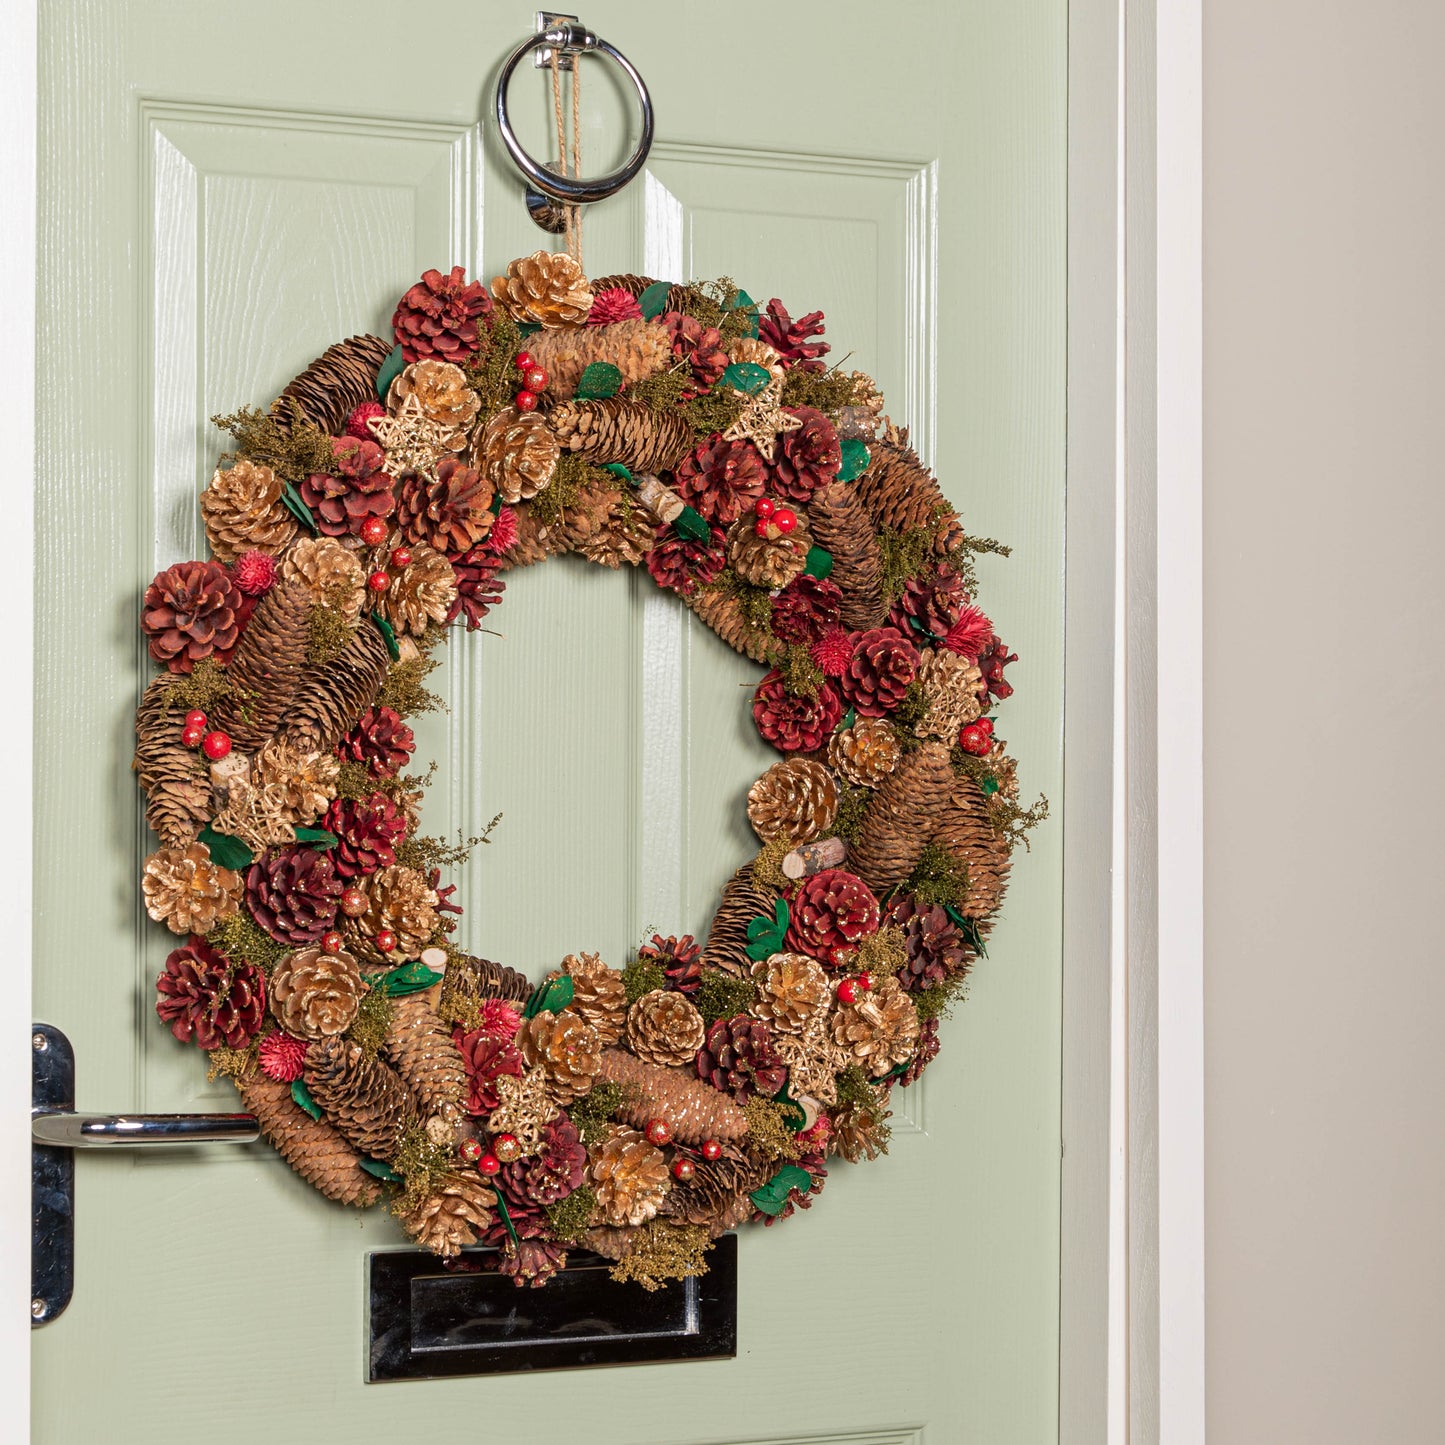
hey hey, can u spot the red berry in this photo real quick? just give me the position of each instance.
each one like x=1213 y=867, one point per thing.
x=784 y=519
x=525 y=401
x=986 y=723
x=191 y=737
x=195 y=718
x=372 y=531
x=354 y=903
x=507 y=1147
x=489 y=1165
x=331 y=942
x=401 y=558
x=524 y=361
x=378 y=581
x=385 y=940
x=974 y=740
x=760 y=527
x=765 y=507
x=470 y=1150
x=847 y=991
x=215 y=746
x=865 y=982
x=711 y=1149
x=682 y=1169
x=659 y=1131
x=536 y=379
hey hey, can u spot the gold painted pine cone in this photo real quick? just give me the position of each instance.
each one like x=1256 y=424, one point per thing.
x=901 y=817
x=315 y=994
x=186 y=891
x=953 y=688
x=694 y=1110
x=243 y=511
x=421 y=593
x=296 y=786
x=599 y=997
x=330 y=572
x=664 y=1028
x=878 y=1029
x=455 y=1214
x=630 y=1177
x=566 y=1047
x=442 y=394
x=796 y=799
x=750 y=351
x=399 y=901
x=792 y=989
x=637 y=348
x=363 y=1098
x=516 y=452
x=546 y=288
x=865 y=753
x=419 y=1047
x=771 y=560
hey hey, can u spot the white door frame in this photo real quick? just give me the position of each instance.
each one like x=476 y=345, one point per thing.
x=1132 y=1312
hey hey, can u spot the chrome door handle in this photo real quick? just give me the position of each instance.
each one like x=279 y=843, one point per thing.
x=92 y=1131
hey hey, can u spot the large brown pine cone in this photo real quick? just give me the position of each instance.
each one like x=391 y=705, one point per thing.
x=175 y=777
x=769 y=559
x=420 y=1048
x=315 y=994
x=964 y=828
x=451 y=513
x=883 y=664
x=693 y=1109
x=517 y=454
x=842 y=527
x=334 y=385
x=599 y=997
x=443 y=396
x=363 y=1098
x=743 y=899
x=566 y=1046
x=438 y=316
x=737 y=1057
x=832 y=912
x=806 y=458
x=421 y=593
x=619 y=430
x=901 y=494
x=356 y=487
x=329 y=698
x=310 y=1146
x=637 y=348
x=902 y=816
x=630 y=1177
x=330 y=573
x=191 y=611
x=186 y=891
x=267 y=666
x=203 y=996
x=878 y=1029
x=796 y=799
x=792 y=989
x=547 y=288
x=865 y=753
x=951 y=686
x=722 y=480
x=556 y=1169
x=455 y=1214
x=663 y=1028
x=243 y=511
x=399 y=901
x=294 y=895
x=934 y=947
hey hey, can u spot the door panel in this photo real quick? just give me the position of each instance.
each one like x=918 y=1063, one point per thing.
x=226 y=191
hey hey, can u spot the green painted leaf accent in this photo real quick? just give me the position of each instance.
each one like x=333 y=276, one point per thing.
x=497 y=504
x=772 y=1198
x=388 y=635
x=692 y=525
x=317 y=836
x=226 y=850
x=794 y=1115
x=765 y=935
x=391 y=368
x=741 y=302
x=969 y=928
x=855 y=460
x=552 y=996
x=599 y=381
x=409 y=978
x=989 y=786
x=380 y=1170
x=528 y=328
x=745 y=376
x=653 y=301
x=819 y=563
x=302 y=1096
x=291 y=500
x=618 y=470
x=501 y=1207
x=849 y=718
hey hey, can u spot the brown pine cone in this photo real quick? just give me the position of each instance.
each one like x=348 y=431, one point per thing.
x=722 y=480
x=878 y=1029
x=902 y=816
x=243 y=511
x=334 y=385
x=883 y=664
x=932 y=944
x=623 y=535
x=663 y=1028
x=469 y=977
x=557 y=1168
x=599 y=997
x=381 y=740
x=806 y=608
x=399 y=901
x=865 y=753
x=796 y=799
x=717 y=1187
x=694 y=1110
x=421 y=593
x=630 y=1177
x=455 y=1214
x=479 y=585
x=842 y=527
x=952 y=686
x=769 y=559
x=451 y=513
x=546 y=288
x=637 y=348
x=720 y=609
x=315 y=994
x=294 y=895
x=737 y=1057
x=204 y=997
x=295 y=786
x=191 y=611
x=792 y=989
x=964 y=828
x=567 y=1047
x=330 y=573
x=743 y=899
x=443 y=396
x=438 y=316
x=901 y=494
x=358 y=486
x=267 y=666
x=619 y=430
x=176 y=778
x=929 y=604
x=186 y=891
x=419 y=1047
x=678 y=958
x=806 y=458
x=832 y=912
x=363 y=1098
x=517 y=454
x=328 y=699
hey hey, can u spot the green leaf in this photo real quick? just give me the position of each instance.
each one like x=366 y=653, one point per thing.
x=291 y=499
x=501 y=1208
x=528 y=328
x=855 y=460
x=497 y=504
x=741 y=302
x=746 y=377
x=692 y=525
x=819 y=563
x=653 y=301
x=226 y=850
x=380 y=1170
x=408 y=978
x=618 y=470
x=772 y=1198
x=989 y=786
x=552 y=996
x=849 y=718
x=391 y=368
x=302 y=1096
x=599 y=381
x=388 y=635
x=765 y=935
x=319 y=836
x=969 y=928
x=794 y=1115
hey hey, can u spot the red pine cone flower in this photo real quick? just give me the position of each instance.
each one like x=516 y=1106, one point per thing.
x=883 y=663
x=791 y=723
x=553 y=1172
x=356 y=423
x=614 y=304
x=208 y=1000
x=807 y=458
x=254 y=573
x=503 y=533
x=380 y=740
x=479 y=582
x=933 y=945
x=191 y=611
x=366 y=833
x=680 y=960
x=359 y=488
x=487 y=1057
x=833 y=651
x=737 y=1057
x=813 y=1163
x=283 y=1056
x=929 y=605
x=444 y=904
x=831 y=913
x=701 y=345
x=682 y=565
x=790 y=339
x=721 y=480
x=970 y=634
x=294 y=895
x=924 y=1054
x=806 y=608
x=991 y=662
x=438 y=317
x=450 y=513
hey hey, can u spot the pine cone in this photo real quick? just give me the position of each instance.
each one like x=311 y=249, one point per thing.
x=454 y=1215
x=902 y=816
x=737 y=1057
x=695 y=1111
x=206 y=999
x=517 y=454
x=381 y=740
x=883 y=664
x=556 y=1169
x=328 y=699
x=720 y=609
x=637 y=348
x=858 y=1133
x=807 y=458
x=934 y=947
x=486 y=1057
x=294 y=895
x=964 y=828
x=806 y=608
x=334 y=385
x=295 y=786
x=719 y=1187
x=363 y=1098
x=795 y=724
x=548 y=289
x=678 y=958
x=310 y=1146
x=952 y=686
x=929 y=604
x=832 y=912
x=451 y=513
x=357 y=487
x=567 y=1047
x=178 y=797
x=727 y=937
x=599 y=997
x=186 y=891
x=792 y=340
x=863 y=415
x=924 y=1053
x=721 y=479
x=865 y=753
x=480 y=978
x=901 y=494
x=421 y=593
x=681 y=564
x=329 y=572
x=267 y=666
x=842 y=527
x=366 y=832
x=315 y=994
x=619 y=430
x=399 y=901
x=878 y=1029
x=611 y=304
x=624 y=533
x=438 y=316
x=792 y=989
x=700 y=345
x=479 y=587
x=663 y=1028
x=629 y=1176
x=753 y=352
x=192 y=610
x=796 y=799
x=536 y=1257
x=441 y=394
x=419 y=1047
x=992 y=660
x=768 y=558
x=243 y=511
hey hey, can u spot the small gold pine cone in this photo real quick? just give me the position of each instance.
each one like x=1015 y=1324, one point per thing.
x=517 y=453
x=771 y=560
x=421 y=594
x=442 y=394
x=455 y=1214
x=629 y=1176
x=865 y=753
x=858 y=1133
x=399 y=901
x=749 y=351
x=599 y=997
x=186 y=891
x=330 y=572
x=243 y=512
x=548 y=289
x=1005 y=770
x=566 y=1046
x=664 y=1028
x=952 y=686
x=637 y=348
x=294 y=785
x=792 y=989
x=878 y=1029
x=796 y=799
x=315 y=994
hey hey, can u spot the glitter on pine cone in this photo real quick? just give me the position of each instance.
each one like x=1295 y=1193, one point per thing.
x=834 y=650
x=282 y=1056
x=503 y=534
x=806 y=609
x=356 y=423
x=970 y=633
x=254 y=573
x=613 y=304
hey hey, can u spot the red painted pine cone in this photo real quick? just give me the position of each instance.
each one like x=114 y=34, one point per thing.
x=487 y=1057
x=701 y=345
x=805 y=609
x=682 y=565
x=795 y=723
x=438 y=316
x=721 y=480
x=924 y=1053
x=807 y=458
x=206 y=999
x=294 y=895
x=553 y=1172
x=832 y=912
x=931 y=940
x=366 y=833
x=679 y=958
x=479 y=582
x=192 y=610
x=738 y=1058
x=792 y=340
x=380 y=740
x=357 y=488
x=884 y=662
x=929 y=606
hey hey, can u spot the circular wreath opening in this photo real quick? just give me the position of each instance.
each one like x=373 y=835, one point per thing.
x=638 y=1111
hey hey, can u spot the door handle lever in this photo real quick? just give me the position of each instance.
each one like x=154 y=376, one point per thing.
x=63 y=1130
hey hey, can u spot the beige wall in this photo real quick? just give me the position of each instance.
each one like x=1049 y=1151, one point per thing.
x=1325 y=678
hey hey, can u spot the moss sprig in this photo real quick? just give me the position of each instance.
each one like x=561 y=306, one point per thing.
x=642 y=976
x=241 y=938
x=852 y=806
x=911 y=710
x=663 y=1252
x=573 y=473
x=591 y=1115
x=373 y=1019
x=424 y=852
x=293 y=454
x=802 y=677
x=939 y=880
x=938 y=1001
x=768 y=1134
x=825 y=391
x=237 y=1064
x=904 y=556
x=423 y=1165
x=767 y=869
x=491 y=373
x=327 y=634
x=664 y=392
x=720 y=995
x=204 y=686
x=569 y=1217
x=713 y=411
x=403 y=691
x=1014 y=823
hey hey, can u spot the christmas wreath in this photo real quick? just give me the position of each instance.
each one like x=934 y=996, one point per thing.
x=638 y=1111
